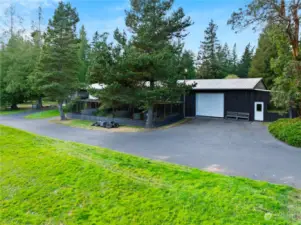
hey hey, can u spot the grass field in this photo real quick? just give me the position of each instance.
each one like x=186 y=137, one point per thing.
x=11 y=112
x=47 y=181
x=43 y=114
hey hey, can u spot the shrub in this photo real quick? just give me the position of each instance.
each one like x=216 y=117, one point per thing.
x=287 y=130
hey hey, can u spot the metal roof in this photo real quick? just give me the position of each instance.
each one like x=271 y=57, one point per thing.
x=97 y=86
x=215 y=84
x=224 y=84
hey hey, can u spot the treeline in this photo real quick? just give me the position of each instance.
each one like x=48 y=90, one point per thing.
x=22 y=58
x=217 y=61
x=142 y=69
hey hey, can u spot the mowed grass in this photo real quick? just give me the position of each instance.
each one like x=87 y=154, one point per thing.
x=43 y=114
x=47 y=181
x=11 y=112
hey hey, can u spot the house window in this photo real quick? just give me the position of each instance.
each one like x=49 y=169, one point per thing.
x=258 y=107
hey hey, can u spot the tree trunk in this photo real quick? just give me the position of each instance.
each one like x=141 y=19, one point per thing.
x=290 y=112
x=14 y=106
x=149 y=119
x=39 y=103
x=60 y=107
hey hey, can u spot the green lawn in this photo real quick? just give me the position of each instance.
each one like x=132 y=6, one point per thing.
x=47 y=181
x=11 y=112
x=43 y=114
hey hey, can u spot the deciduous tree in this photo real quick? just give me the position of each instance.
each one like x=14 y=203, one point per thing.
x=285 y=17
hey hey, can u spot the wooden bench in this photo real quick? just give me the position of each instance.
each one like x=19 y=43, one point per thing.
x=242 y=115
x=238 y=115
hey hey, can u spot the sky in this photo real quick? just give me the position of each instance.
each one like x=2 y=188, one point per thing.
x=107 y=15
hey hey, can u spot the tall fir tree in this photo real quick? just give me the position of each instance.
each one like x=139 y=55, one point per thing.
x=223 y=59
x=245 y=62
x=233 y=60
x=261 y=62
x=187 y=64
x=17 y=65
x=83 y=54
x=207 y=57
x=147 y=66
x=57 y=71
x=37 y=40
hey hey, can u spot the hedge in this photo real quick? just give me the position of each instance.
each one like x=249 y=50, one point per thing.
x=287 y=130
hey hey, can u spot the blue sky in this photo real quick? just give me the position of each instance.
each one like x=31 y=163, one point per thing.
x=106 y=15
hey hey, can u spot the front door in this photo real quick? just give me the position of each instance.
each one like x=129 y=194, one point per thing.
x=259 y=110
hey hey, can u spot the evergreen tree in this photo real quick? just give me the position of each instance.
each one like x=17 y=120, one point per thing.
x=245 y=62
x=57 y=71
x=37 y=40
x=207 y=57
x=187 y=65
x=144 y=70
x=17 y=64
x=83 y=54
x=223 y=59
x=233 y=60
x=261 y=62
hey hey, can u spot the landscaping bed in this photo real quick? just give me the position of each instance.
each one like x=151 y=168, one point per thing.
x=48 y=181
x=86 y=124
x=287 y=130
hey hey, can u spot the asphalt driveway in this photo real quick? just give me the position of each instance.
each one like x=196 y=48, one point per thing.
x=230 y=147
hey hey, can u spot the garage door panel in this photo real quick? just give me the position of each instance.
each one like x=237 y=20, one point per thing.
x=210 y=104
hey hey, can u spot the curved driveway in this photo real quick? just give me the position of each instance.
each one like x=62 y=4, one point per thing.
x=230 y=147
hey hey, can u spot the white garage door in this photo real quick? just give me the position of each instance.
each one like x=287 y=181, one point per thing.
x=209 y=104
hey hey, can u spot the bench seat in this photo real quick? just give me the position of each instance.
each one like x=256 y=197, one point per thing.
x=238 y=115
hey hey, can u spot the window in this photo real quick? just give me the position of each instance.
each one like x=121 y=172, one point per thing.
x=259 y=107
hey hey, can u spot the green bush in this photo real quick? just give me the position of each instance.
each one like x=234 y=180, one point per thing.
x=287 y=130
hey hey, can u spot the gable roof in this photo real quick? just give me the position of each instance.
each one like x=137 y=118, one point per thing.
x=226 y=84
x=215 y=84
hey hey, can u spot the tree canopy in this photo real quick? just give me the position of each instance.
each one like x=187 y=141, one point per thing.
x=57 y=70
x=143 y=70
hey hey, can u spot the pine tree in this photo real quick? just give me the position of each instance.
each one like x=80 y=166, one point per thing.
x=233 y=61
x=261 y=62
x=207 y=56
x=223 y=59
x=187 y=65
x=144 y=69
x=37 y=40
x=57 y=72
x=245 y=62
x=17 y=65
x=83 y=54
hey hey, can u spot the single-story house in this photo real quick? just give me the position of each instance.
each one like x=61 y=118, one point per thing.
x=219 y=97
x=246 y=98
